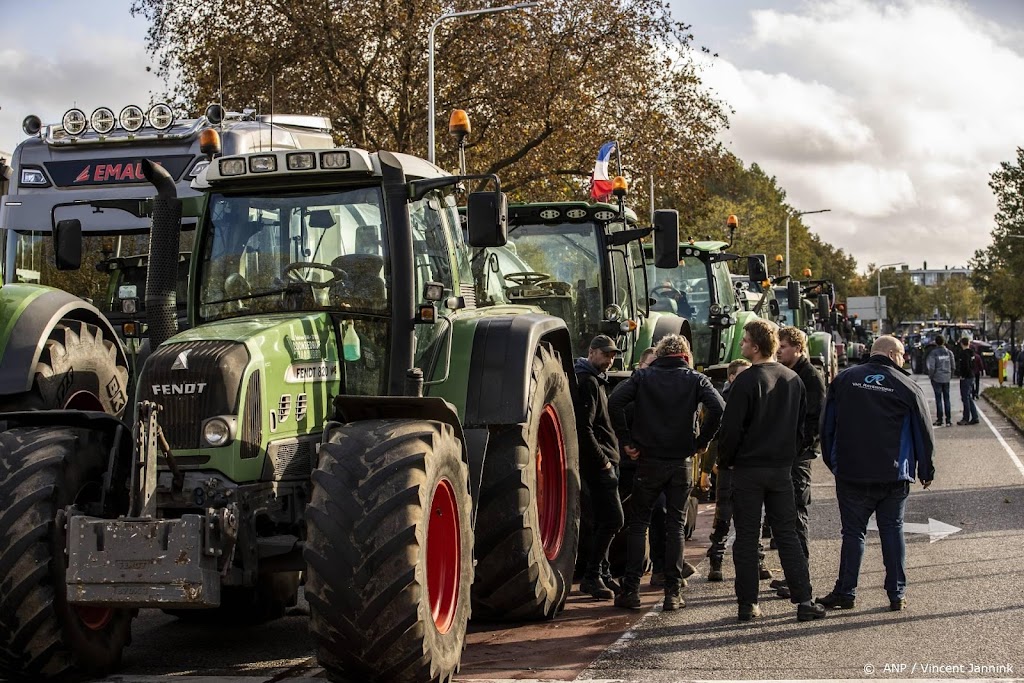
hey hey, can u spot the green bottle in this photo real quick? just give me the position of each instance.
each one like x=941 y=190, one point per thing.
x=350 y=343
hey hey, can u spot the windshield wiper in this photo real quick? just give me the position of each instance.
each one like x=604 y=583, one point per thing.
x=295 y=287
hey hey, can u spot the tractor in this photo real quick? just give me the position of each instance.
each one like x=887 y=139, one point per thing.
x=810 y=306
x=339 y=412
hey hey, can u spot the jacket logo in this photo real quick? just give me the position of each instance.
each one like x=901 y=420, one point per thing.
x=181 y=362
x=874 y=379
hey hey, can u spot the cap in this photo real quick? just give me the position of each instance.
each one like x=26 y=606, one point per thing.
x=604 y=343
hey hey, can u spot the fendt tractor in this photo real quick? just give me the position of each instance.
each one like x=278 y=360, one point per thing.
x=584 y=262
x=339 y=410
x=701 y=289
x=811 y=306
x=78 y=173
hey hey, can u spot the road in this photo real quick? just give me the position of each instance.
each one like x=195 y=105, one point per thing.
x=965 y=596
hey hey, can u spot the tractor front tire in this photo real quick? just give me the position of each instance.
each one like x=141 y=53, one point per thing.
x=528 y=516
x=78 y=370
x=42 y=471
x=389 y=552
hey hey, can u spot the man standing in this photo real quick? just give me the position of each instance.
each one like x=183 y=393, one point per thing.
x=761 y=437
x=662 y=437
x=940 y=371
x=965 y=368
x=873 y=475
x=599 y=459
x=793 y=354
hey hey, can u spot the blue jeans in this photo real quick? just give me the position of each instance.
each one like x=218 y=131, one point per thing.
x=941 y=390
x=967 y=398
x=888 y=502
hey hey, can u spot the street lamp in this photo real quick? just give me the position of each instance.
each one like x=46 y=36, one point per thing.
x=878 y=298
x=797 y=215
x=430 y=60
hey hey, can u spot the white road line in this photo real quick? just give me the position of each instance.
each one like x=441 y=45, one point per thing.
x=1002 y=441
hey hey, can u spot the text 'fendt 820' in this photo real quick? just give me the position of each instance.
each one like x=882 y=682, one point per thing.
x=339 y=409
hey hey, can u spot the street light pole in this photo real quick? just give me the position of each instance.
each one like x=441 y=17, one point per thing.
x=797 y=215
x=878 y=297
x=430 y=60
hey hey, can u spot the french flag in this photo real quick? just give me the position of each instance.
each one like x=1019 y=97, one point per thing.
x=601 y=184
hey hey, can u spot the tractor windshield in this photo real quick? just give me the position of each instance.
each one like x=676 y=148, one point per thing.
x=686 y=291
x=294 y=251
x=557 y=267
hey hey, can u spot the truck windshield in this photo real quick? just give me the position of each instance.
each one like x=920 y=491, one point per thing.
x=109 y=259
x=294 y=251
x=687 y=292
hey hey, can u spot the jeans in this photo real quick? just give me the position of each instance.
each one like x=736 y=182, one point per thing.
x=607 y=513
x=857 y=502
x=772 y=489
x=967 y=397
x=943 y=413
x=802 y=498
x=654 y=477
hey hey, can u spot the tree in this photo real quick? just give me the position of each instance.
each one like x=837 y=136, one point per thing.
x=544 y=88
x=955 y=299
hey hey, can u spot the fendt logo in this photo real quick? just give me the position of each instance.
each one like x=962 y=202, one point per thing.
x=181 y=362
x=184 y=389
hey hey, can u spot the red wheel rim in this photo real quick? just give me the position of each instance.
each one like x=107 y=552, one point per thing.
x=94 y=618
x=551 y=482
x=83 y=400
x=444 y=556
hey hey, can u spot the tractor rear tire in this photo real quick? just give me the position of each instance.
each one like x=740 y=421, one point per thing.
x=528 y=519
x=78 y=370
x=389 y=552
x=43 y=470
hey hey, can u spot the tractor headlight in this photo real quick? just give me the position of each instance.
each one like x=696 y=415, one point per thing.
x=230 y=167
x=216 y=432
x=265 y=163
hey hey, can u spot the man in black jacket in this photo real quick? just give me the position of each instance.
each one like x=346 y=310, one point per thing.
x=873 y=475
x=762 y=434
x=662 y=437
x=965 y=368
x=793 y=354
x=599 y=460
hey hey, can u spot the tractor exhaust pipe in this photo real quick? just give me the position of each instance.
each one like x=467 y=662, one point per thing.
x=162 y=274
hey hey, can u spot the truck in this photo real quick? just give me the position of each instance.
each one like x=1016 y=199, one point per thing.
x=82 y=172
x=338 y=408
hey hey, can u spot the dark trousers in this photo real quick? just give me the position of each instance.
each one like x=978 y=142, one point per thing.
x=943 y=413
x=801 y=474
x=606 y=510
x=654 y=477
x=967 y=398
x=857 y=502
x=771 y=488
x=723 y=517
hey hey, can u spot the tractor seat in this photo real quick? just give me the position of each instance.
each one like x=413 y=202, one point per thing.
x=364 y=284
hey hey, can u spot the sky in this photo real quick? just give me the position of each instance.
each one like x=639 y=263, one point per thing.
x=892 y=114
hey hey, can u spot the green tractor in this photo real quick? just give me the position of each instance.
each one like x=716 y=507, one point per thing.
x=810 y=306
x=339 y=410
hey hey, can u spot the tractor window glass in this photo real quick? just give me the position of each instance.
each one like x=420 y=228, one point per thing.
x=687 y=292
x=294 y=252
x=431 y=255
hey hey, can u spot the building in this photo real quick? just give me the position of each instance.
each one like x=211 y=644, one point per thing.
x=932 y=277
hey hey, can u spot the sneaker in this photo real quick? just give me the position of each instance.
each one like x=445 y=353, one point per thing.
x=596 y=589
x=748 y=612
x=658 y=579
x=937 y=423
x=612 y=584
x=810 y=612
x=974 y=422
x=628 y=600
x=783 y=592
x=898 y=605
x=948 y=423
x=778 y=583
x=673 y=601
x=962 y=422
x=765 y=573
x=833 y=601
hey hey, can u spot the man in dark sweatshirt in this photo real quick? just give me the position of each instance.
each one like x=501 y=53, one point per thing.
x=761 y=436
x=663 y=439
x=599 y=462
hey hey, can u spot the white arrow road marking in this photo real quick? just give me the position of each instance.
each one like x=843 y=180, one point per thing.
x=935 y=529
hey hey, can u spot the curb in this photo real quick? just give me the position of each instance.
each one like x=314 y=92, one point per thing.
x=999 y=409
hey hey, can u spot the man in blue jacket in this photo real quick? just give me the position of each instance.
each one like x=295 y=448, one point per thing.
x=876 y=439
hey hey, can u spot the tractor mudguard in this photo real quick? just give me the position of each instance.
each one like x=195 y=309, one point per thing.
x=671 y=324
x=501 y=362
x=35 y=315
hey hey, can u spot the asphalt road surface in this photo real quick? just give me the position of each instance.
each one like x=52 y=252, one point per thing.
x=965 y=616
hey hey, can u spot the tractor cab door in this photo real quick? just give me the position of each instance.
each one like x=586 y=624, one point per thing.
x=433 y=257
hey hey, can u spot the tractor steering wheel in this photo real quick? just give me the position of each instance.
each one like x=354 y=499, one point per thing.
x=289 y=272
x=527 y=278
x=665 y=291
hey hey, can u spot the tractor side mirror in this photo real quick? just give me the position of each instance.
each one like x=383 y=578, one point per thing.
x=824 y=306
x=67 y=244
x=666 y=238
x=757 y=269
x=487 y=219
x=793 y=295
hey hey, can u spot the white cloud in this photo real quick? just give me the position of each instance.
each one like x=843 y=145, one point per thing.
x=892 y=114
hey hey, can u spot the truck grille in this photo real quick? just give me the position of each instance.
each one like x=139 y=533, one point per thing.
x=193 y=381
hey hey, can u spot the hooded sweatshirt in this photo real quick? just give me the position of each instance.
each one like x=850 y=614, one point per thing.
x=940 y=365
x=598 y=445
